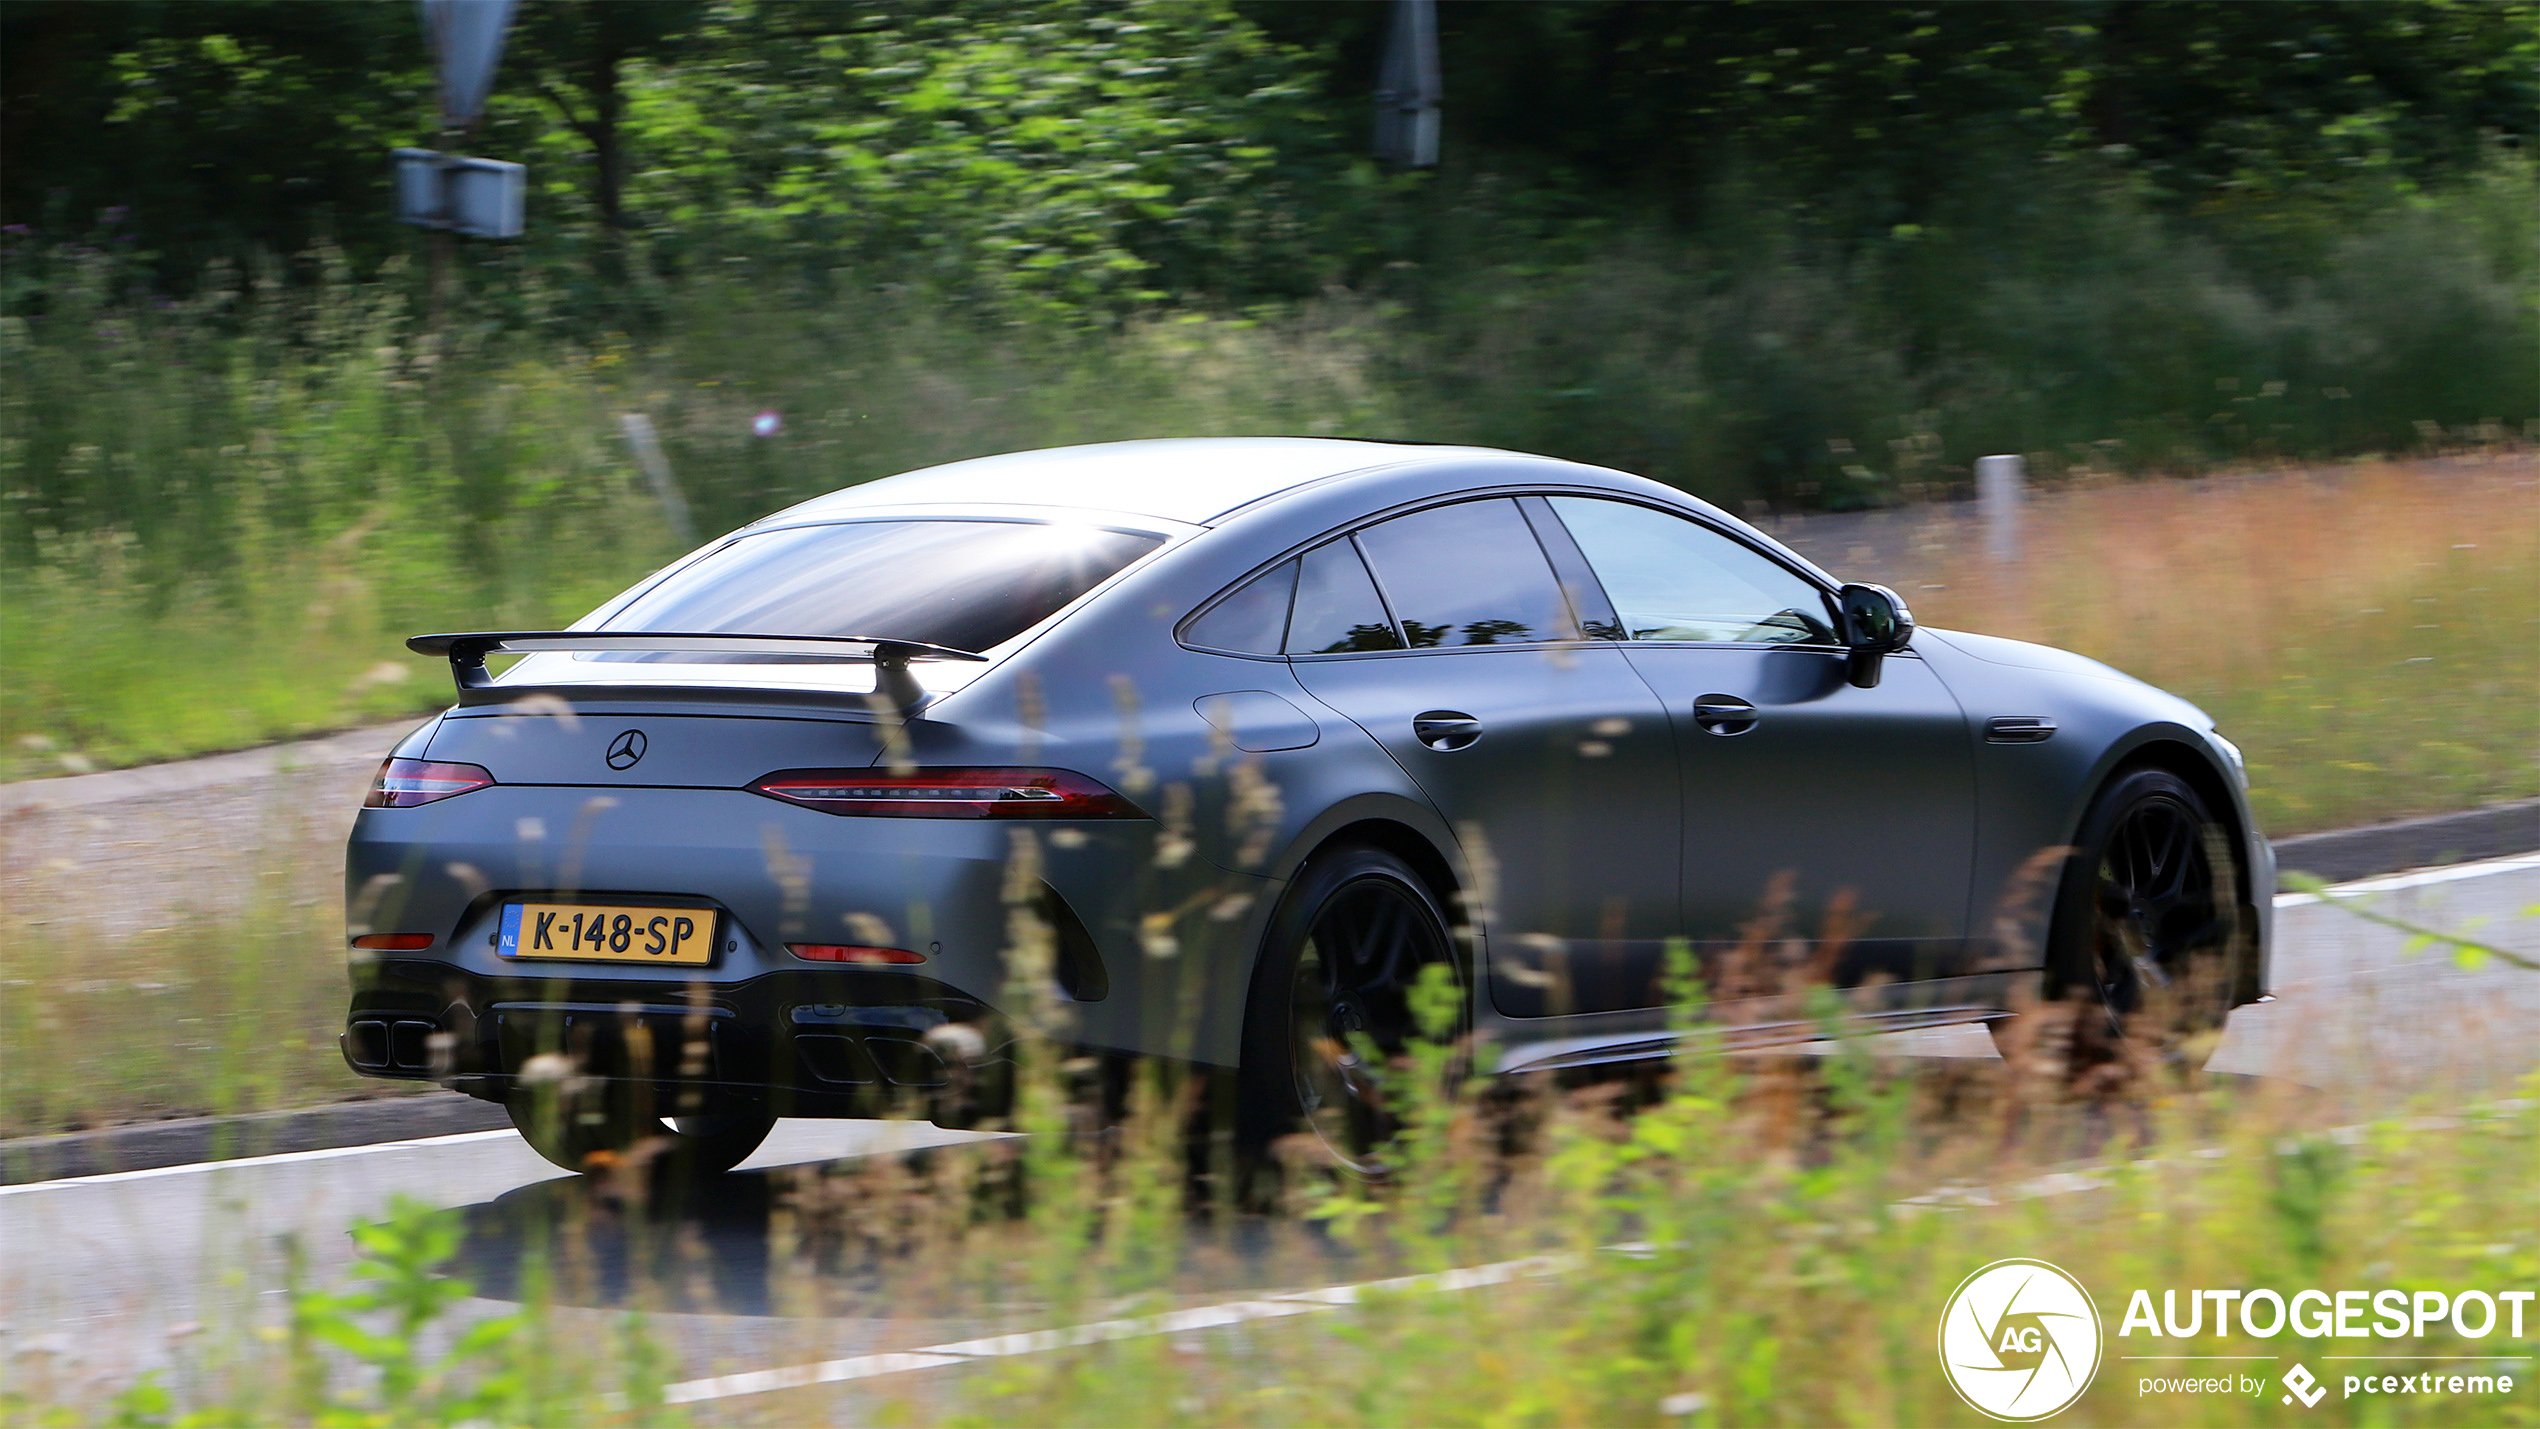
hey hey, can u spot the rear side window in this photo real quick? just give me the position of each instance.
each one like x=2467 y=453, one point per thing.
x=1252 y=621
x=1337 y=608
x=1674 y=579
x=965 y=584
x=1468 y=574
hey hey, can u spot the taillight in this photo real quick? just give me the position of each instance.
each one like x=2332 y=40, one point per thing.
x=394 y=942
x=852 y=953
x=404 y=783
x=949 y=793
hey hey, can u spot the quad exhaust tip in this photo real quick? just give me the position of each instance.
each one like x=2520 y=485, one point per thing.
x=380 y=1045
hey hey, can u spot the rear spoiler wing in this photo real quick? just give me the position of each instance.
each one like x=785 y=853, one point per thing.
x=467 y=652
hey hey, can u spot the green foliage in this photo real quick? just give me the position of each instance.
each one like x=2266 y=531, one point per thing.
x=1881 y=111
x=1807 y=255
x=1032 y=157
x=1689 y=1262
x=1088 y=156
x=398 y=1293
x=182 y=134
x=193 y=489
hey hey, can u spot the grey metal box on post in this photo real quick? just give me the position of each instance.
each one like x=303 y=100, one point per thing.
x=482 y=198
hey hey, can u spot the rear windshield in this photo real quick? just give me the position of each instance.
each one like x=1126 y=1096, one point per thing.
x=965 y=584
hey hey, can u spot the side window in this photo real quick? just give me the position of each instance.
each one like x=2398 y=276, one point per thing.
x=1468 y=574
x=1675 y=579
x=1337 y=608
x=1252 y=621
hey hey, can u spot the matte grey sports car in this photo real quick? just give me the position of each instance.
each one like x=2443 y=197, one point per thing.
x=1204 y=750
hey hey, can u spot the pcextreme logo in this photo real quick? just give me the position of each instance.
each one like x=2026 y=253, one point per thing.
x=2019 y=1340
x=2304 y=1385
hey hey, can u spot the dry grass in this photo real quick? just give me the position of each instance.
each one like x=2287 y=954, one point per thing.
x=176 y=955
x=2369 y=634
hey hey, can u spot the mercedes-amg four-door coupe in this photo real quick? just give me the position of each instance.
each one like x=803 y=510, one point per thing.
x=1209 y=750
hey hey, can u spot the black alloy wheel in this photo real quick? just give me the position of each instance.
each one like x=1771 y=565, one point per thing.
x=2145 y=917
x=1331 y=1006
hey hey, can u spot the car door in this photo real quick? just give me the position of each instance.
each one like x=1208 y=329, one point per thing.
x=1547 y=753
x=1855 y=807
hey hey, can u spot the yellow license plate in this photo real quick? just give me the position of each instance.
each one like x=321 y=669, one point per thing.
x=607 y=933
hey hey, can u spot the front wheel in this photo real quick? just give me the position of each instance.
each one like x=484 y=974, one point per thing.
x=1331 y=1004
x=2145 y=925
x=706 y=1145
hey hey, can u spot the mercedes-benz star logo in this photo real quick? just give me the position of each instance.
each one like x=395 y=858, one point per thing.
x=626 y=749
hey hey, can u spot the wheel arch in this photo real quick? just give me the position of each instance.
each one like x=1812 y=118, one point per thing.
x=2180 y=753
x=1407 y=844
x=2174 y=755
x=1410 y=831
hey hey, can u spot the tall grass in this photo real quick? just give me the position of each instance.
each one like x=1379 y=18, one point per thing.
x=217 y=515
x=1762 y=1240
x=224 y=517
x=202 y=974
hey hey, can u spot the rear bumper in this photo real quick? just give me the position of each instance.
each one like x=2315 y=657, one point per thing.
x=771 y=873
x=785 y=1040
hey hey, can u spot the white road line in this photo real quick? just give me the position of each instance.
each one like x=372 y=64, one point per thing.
x=279 y=1158
x=1172 y=1322
x=2519 y=863
x=2454 y=873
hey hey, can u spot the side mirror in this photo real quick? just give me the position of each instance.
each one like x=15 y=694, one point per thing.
x=1876 y=624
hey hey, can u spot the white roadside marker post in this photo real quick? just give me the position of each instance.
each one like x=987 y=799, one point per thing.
x=2001 y=487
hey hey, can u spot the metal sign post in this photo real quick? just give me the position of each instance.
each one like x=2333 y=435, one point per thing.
x=467 y=40
x=448 y=193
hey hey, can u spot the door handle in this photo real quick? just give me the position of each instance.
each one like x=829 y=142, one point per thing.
x=1724 y=714
x=1446 y=730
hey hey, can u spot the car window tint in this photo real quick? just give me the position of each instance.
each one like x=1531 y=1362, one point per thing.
x=1675 y=579
x=1337 y=608
x=1253 y=620
x=966 y=584
x=1467 y=574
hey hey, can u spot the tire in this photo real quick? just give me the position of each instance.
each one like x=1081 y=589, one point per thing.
x=1341 y=957
x=706 y=1145
x=2145 y=930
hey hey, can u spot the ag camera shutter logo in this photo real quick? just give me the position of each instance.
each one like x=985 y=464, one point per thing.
x=2019 y=1340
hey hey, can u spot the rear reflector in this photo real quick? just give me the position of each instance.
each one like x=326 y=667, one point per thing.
x=963 y=793
x=852 y=953
x=394 y=942
x=404 y=783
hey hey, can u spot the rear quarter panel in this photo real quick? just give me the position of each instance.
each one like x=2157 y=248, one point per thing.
x=1178 y=906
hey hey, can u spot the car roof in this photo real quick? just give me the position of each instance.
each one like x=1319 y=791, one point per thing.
x=1192 y=480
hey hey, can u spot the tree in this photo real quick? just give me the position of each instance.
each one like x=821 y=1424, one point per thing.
x=574 y=54
x=209 y=129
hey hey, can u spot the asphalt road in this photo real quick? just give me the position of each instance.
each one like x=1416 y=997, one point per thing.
x=103 y=1276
